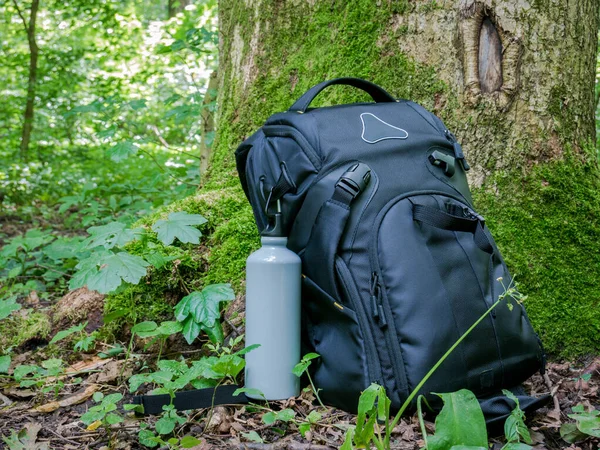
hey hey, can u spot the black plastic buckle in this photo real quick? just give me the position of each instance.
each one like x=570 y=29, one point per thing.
x=443 y=161
x=355 y=179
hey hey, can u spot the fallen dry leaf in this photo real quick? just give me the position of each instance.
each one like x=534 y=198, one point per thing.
x=77 y=397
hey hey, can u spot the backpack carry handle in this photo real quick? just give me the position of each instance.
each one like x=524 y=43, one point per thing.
x=378 y=94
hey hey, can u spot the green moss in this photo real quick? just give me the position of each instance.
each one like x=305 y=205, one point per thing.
x=547 y=225
x=17 y=330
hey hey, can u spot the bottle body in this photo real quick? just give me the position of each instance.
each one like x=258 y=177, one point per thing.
x=273 y=275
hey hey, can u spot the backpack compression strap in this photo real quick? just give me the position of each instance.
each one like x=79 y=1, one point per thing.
x=193 y=399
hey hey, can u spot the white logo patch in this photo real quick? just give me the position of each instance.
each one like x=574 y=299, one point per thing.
x=375 y=129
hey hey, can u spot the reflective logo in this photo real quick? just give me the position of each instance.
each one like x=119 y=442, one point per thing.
x=375 y=129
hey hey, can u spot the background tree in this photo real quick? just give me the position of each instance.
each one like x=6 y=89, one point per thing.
x=514 y=81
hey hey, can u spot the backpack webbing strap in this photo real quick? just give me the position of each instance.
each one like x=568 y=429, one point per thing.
x=193 y=399
x=445 y=221
x=319 y=256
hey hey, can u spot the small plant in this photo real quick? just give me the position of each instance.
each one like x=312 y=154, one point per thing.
x=515 y=429
x=302 y=367
x=201 y=311
x=587 y=423
x=47 y=377
x=104 y=413
x=311 y=419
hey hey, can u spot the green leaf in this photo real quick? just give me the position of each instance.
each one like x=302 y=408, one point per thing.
x=21 y=371
x=303 y=428
x=169 y=328
x=64 y=333
x=4 y=363
x=314 y=417
x=92 y=416
x=157 y=259
x=228 y=365
x=347 y=445
x=366 y=402
x=143 y=328
x=113 y=419
x=301 y=367
x=590 y=426
x=286 y=415
x=570 y=433
x=179 y=225
x=189 y=442
x=460 y=422
x=8 y=306
x=165 y=425
x=122 y=151
x=191 y=330
x=269 y=418
x=112 y=399
x=97 y=397
x=215 y=333
x=253 y=436
x=116 y=268
x=114 y=234
x=256 y=393
x=148 y=439
x=247 y=349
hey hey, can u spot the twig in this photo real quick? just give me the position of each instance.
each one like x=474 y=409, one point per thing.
x=21 y=15
x=62 y=438
x=552 y=393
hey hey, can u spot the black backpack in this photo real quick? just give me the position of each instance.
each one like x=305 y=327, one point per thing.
x=397 y=264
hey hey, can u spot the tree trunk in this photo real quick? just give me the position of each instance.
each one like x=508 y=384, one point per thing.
x=31 y=83
x=513 y=80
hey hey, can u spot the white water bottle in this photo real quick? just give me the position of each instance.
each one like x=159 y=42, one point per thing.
x=273 y=275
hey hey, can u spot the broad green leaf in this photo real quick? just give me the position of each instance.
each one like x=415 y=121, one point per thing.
x=92 y=416
x=303 y=428
x=314 y=416
x=8 y=306
x=176 y=367
x=122 y=151
x=62 y=248
x=113 y=419
x=169 y=328
x=214 y=333
x=64 y=333
x=144 y=327
x=191 y=330
x=116 y=268
x=135 y=381
x=165 y=425
x=347 y=445
x=97 y=397
x=219 y=292
x=590 y=427
x=179 y=225
x=570 y=433
x=253 y=436
x=228 y=365
x=286 y=415
x=148 y=439
x=269 y=418
x=255 y=393
x=182 y=309
x=460 y=422
x=366 y=402
x=112 y=399
x=189 y=442
x=4 y=363
x=157 y=259
x=21 y=371
x=114 y=234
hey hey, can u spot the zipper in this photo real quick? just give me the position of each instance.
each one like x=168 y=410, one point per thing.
x=364 y=324
x=380 y=309
x=289 y=132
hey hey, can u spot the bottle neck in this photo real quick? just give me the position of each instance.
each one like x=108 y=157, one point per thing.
x=272 y=241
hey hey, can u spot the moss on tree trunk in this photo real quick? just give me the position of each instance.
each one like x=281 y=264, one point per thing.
x=529 y=140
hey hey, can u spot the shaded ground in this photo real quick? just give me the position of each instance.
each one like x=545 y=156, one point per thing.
x=54 y=422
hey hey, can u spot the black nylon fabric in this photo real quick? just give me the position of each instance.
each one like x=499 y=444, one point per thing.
x=408 y=286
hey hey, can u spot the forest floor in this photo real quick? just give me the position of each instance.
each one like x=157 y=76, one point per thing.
x=32 y=419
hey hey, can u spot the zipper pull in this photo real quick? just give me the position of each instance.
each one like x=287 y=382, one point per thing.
x=458 y=153
x=374 y=294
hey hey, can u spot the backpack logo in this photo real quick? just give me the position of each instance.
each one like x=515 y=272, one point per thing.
x=375 y=129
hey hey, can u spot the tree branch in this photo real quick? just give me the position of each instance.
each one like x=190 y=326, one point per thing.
x=21 y=15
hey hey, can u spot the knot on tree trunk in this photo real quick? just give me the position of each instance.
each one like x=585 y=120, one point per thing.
x=491 y=56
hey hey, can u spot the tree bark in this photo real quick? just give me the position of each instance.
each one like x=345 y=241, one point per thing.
x=514 y=80
x=28 y=115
